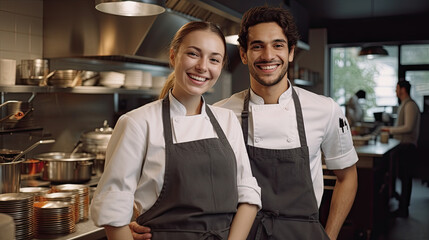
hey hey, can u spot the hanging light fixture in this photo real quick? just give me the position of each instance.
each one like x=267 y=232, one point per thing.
x=373 y=51
x=131 y=8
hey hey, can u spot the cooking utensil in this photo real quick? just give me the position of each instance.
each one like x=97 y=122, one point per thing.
x=64 y=167
x=35 y=71
x=32 y=147
x=10 y=176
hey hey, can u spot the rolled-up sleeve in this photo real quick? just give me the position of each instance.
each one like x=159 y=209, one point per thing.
x=337 y=144
x=113 y=200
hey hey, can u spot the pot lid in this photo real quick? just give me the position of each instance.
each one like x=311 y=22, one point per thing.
x=100 y=132
x=62 y=156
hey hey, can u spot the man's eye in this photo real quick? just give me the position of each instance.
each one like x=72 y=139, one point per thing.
x=256 y=47
x=278 y=45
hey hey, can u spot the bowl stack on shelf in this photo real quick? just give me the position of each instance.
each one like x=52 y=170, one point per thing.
x=112 y=79
x=20 y=207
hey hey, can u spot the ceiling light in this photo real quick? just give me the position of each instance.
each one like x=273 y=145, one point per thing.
x=232 y=39
x=373 y=51
x=132 y=8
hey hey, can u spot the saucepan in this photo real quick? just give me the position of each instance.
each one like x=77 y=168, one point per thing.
x=62 y=167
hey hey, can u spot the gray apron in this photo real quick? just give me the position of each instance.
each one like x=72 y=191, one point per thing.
x=289 y=206
x=199 y=196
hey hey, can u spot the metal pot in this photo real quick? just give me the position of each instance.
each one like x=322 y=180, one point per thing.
x=66 y=167
x=10 y=176
x=96 y=141
x=34 y=71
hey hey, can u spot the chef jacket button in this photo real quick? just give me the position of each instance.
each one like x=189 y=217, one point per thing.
x=176 y=120
x=289 y=140
x=257 y=140
x=207 y=118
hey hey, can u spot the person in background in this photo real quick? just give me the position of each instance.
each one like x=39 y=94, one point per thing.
x=286 y=129
x=354 y=110
x=406 y=130
x=181 y=162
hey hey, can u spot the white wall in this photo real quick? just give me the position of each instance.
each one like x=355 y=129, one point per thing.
x=21 y=29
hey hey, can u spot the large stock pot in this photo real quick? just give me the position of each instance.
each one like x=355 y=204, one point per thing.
x=64 y=167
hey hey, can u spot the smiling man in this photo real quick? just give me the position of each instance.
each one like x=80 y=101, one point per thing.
x=286 y=129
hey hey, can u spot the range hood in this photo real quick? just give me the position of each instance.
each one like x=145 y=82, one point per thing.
x=76 y=29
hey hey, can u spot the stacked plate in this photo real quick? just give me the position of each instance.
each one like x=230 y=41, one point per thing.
x=20 y=207
x=112 y=79
x=67 y=197
x=35 y=191
x=83 y=201
x=54 y=217
x=133 y=78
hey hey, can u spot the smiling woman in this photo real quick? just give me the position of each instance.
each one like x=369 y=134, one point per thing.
x=156 y=172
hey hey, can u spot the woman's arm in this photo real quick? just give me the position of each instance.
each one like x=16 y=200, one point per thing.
x=118 y=233
x=242 y=221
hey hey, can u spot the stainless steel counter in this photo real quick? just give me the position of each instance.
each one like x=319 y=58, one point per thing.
x=84 y=231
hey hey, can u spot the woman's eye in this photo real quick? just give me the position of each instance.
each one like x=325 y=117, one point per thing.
x=193 y=54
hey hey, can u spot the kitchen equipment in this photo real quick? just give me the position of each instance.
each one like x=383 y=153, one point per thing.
x=83 y=197
x=66 y=78
x=16 y=111
x=35 y=191
x=53 y=217
x=7 y=155
x=96 y=142
x=20 y=207
x=35 y=71
x=31 y=167
x=69 y=197
x=7 y=72
x=112 y=79
x=64 y=167
x=32 y=147
x=10 y=176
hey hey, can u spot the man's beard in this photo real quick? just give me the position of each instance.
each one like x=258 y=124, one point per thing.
x=268 y=84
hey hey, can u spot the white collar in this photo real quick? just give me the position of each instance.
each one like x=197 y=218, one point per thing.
x=284 y=97
x=178 y=109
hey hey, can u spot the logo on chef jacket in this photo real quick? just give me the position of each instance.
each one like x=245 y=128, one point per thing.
x=343 y=124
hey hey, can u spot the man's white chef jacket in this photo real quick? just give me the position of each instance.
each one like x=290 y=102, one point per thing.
x=135 y=159
x=274 y=126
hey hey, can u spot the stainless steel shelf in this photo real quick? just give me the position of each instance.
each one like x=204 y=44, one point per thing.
x=77 y=90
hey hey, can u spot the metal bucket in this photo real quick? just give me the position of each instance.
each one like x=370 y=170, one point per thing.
x=10 y=176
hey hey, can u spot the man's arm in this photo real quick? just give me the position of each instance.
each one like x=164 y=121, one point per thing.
x=139 y=232
x=342 y=200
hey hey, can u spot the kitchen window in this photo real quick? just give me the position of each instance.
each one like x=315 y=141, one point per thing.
x=377 y=77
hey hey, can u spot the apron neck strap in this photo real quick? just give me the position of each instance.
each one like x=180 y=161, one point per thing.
x=168 y=136
x=298 y=112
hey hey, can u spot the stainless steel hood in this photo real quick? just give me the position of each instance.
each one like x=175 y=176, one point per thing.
x=76 y=29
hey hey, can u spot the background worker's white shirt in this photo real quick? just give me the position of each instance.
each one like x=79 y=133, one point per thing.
x=274 y=126
x=138 y=138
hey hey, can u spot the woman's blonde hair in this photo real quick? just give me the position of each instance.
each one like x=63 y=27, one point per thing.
x=177 y=41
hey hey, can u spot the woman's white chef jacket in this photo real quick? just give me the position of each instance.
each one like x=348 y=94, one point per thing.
x=135 y=159
x=274 y=126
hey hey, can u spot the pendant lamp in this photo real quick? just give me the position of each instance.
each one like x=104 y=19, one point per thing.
x=373 y=51
x=131 y=8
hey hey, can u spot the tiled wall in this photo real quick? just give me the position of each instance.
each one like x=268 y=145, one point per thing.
x=21 y=29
